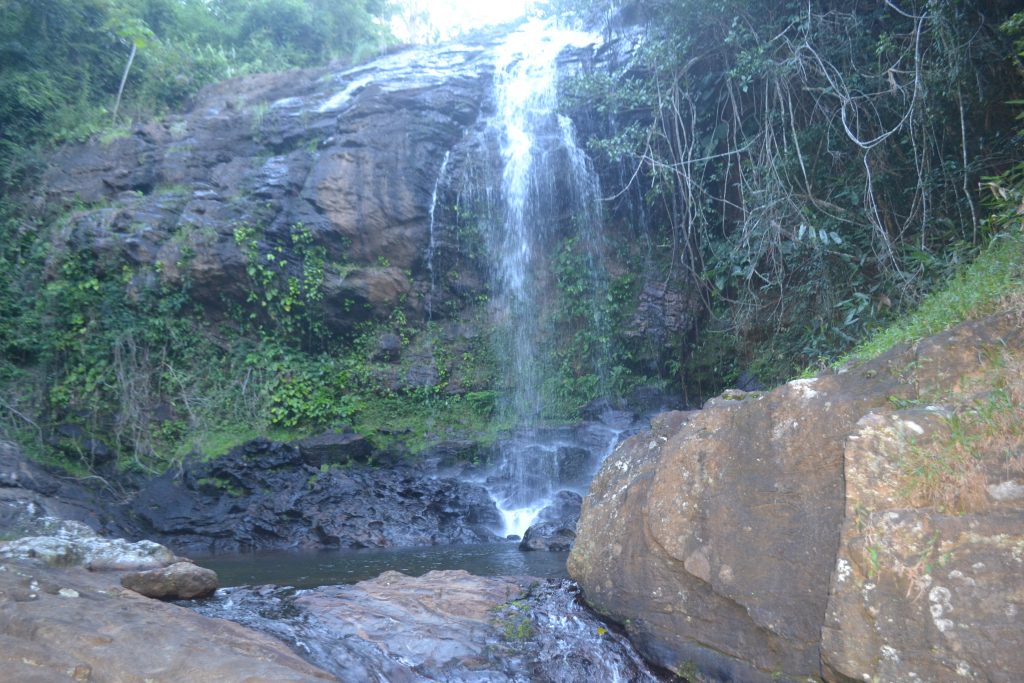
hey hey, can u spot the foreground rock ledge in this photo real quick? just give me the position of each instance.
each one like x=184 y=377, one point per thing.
x=728 y=540
x=443 y=626
x=71 y=624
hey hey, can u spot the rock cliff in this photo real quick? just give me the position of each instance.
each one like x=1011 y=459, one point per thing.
x=863 y=525
x=347 y=162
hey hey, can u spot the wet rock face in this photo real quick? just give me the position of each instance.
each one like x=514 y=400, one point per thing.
x=443 y=626
x=76 y=625
x=32 y=501
x=345 y=161
x=726 y=541
x=555 y=527
x=264 y=495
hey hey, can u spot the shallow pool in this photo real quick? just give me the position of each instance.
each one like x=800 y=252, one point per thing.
x=309 y=568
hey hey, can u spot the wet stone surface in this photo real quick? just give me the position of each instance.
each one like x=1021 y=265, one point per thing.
x=443 y=626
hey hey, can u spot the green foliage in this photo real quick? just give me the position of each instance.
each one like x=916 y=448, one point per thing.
x=515 y=622
x=974 y=292
x=220 y=485
x=288 y=294
x=813 y=168
x=594 y=357
x=61 y=61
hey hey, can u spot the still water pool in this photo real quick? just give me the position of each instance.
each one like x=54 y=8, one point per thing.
x=307 y=569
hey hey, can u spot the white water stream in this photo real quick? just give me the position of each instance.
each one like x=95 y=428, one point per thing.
x=548 y=188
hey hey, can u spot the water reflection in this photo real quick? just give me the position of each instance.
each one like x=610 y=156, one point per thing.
x=311 y=568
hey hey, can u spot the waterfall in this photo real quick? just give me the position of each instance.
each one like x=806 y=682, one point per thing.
x=432 y=243
x=540 y=162
x=549 y=191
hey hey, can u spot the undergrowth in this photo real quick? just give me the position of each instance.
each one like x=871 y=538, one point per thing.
x=980 y=289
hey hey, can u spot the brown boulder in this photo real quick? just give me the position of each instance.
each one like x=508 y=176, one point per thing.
x=727 y=541
x=179 y=581
x=717 y=541
x=928 y=583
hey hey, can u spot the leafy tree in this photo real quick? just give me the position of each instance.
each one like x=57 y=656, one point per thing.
x=814 y=167
x=67 y=66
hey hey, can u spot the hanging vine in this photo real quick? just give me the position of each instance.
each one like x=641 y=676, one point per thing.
x=811 y=166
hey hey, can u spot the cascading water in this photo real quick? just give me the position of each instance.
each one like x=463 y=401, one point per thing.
x=432 y=244
x=548 y=190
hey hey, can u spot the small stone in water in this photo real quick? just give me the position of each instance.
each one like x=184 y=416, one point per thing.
x=67 y=593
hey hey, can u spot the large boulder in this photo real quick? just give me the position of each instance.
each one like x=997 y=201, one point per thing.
x=929 y=580
x=76 y=625
x=73 y=544
x=722 y=539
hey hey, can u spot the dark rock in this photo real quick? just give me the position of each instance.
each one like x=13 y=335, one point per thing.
x=548 y=536
x=179 y=581
x=31 y=498
x=748 y=382
x=76 y=442
x=265 y=495
x=555 y=526
x=648 y=400
x=422 y=375
x=332 y=448
x=618 y=419
x=454 y=452
x=389 y=348
x=666 y=310
x=575 y=465
x=606 y=412
x=598 y=407
x=72 y=624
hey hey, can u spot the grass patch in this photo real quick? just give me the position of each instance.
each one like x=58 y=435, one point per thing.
x=980 y=289
x=985 y=444
x=217 y=442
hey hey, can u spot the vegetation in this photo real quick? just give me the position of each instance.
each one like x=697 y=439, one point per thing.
x=65 y=63
x=812 y=168
x=594 y=355
x=979 y=289
x=811 y=172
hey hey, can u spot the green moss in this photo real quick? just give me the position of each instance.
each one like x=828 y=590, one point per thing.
x=221 y=485
x=419 y=420
x=514 y=621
